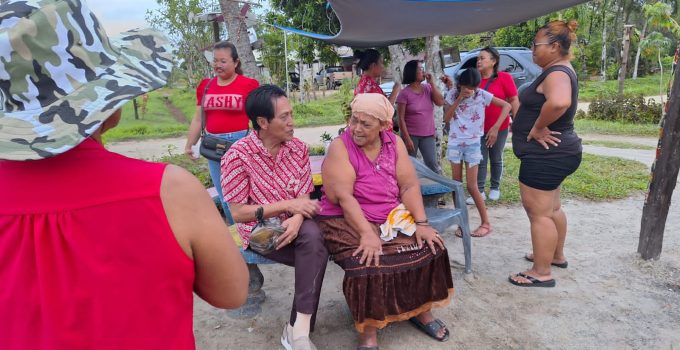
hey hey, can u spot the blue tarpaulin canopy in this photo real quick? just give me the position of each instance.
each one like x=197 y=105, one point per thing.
x=373 y=23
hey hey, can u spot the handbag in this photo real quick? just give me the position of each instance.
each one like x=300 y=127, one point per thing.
x=212 y=147
x=264 y=236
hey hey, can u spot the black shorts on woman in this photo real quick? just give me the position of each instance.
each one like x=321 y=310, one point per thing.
x=541 y=168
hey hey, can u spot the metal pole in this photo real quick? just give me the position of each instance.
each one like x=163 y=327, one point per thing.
x=285 y=60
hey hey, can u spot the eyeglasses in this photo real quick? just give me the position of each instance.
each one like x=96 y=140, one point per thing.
x=534 y=44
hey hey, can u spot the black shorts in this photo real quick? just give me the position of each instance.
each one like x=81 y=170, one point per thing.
x=547 y=173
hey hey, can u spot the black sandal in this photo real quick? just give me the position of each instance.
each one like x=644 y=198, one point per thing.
x=533 y=281
x=431 y=328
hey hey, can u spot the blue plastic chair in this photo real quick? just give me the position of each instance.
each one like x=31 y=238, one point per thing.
x=433 y=184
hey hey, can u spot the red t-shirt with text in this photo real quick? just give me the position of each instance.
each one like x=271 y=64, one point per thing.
x=225 y=105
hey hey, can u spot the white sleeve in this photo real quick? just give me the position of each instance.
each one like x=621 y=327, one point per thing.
x=487 y=96
x=450 y=96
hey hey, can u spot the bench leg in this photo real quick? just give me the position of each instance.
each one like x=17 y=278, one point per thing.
x=256 y=296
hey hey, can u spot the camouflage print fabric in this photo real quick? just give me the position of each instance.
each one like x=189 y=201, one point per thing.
x=61 y=76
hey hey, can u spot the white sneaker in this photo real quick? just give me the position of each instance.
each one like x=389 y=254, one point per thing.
x=471 y=201
x=301 y=343
x=494 y=195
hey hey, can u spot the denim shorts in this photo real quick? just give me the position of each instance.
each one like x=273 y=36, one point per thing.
x=470 y=153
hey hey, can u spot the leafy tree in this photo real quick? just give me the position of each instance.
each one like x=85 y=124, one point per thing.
x=660 y=42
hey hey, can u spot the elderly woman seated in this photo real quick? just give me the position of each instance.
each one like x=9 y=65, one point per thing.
x=374 y=224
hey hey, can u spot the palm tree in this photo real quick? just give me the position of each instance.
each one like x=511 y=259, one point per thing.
x=660 y=42
x=658 y=15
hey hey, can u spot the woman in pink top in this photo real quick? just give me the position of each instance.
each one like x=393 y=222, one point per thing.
x=416 y=113
x=95 y=246
x=366 y=174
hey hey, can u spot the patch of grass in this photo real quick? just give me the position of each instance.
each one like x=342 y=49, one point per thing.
x=647 y=86
x=589 y=126
x=324 y=111
x=617 y=144
x=597 y=178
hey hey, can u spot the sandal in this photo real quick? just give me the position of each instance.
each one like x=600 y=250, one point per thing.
x=486 y=227
x=533 y=281
x=431 y=328
x=562 y=265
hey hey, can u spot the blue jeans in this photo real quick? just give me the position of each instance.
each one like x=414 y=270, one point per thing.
x=215 y=171
x=495 y=154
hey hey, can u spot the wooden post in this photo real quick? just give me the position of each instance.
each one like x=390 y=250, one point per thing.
x=664 y=177
x=624 y=56
x=134 y=104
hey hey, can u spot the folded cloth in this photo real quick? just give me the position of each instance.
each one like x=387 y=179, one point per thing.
x=399 y=220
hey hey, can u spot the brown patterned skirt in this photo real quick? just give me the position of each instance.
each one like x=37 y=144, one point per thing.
x=408 y=282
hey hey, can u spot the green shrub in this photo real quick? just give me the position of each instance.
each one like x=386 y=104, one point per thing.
x=197 y=167
x=627 y=109
x=315 y=150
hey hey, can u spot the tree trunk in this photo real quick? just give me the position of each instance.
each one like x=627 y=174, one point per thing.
x=238 y=35
x=434 y=66
x=639 y=49
x=664 y=177
x=624 y=56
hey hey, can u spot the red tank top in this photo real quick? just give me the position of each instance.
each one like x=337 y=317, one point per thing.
x=87 y=257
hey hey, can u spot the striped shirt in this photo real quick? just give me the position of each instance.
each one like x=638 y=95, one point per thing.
x=251 y=175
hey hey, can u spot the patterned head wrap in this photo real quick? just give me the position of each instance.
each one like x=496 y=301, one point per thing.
x=375 y=105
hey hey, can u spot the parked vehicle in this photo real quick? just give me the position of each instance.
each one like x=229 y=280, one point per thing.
x=517 y=61
x=331 y=77
x=294 y=79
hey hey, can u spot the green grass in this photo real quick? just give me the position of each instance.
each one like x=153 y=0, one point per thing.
x=598 y=178
x=324 y=111
x=617 y=144
x=647 y=86
x=589 y=126
x=156 y=122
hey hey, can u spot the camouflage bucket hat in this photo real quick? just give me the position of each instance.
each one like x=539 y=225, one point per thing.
x=61 y=76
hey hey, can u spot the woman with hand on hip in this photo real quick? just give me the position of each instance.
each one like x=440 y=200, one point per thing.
x=549 y=150
x=222 y=99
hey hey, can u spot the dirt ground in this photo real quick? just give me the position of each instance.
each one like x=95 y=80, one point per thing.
x=608 y=298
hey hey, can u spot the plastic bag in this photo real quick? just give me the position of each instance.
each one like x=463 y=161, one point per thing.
x=265 y=235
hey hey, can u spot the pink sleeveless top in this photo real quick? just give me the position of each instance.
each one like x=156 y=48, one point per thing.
x=375 y=187
x=87 y=257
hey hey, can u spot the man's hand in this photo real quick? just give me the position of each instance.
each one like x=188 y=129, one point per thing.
x=292 y=226
x=304 y=206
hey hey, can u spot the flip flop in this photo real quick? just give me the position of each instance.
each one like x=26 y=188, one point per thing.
x=560 y=265
x=534 y=281
x=431 y=328
x=368 y=348
x=486 y=227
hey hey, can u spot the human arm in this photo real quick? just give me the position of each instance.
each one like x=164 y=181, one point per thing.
x=338 y=178
x=403 y=129
x=514 y=103
x=409 y=191
x=194 y=133
x=557 y=91
x=221 y=275
x=396 y=89
x=436 y=95
x=492 y=134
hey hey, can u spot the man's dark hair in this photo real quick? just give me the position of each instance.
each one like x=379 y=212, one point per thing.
x=410 y=70
x=260 y=103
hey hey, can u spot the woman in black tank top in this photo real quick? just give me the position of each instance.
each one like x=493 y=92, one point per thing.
x=548 y=148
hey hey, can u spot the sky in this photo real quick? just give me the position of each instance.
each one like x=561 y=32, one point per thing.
x=120 y=15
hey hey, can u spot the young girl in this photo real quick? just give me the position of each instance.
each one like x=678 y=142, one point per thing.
x=467 y=103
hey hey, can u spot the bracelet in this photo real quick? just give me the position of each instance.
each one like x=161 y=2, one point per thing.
x=422 y=224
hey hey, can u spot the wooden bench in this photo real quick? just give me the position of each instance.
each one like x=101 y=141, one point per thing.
x=432 y=186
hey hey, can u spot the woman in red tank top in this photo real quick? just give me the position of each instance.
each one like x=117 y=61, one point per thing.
x=95 y=246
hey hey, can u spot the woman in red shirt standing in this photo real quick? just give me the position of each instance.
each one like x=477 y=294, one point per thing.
x=501 y=85
x=223 y=99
